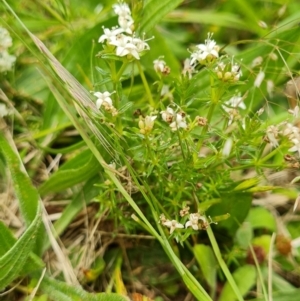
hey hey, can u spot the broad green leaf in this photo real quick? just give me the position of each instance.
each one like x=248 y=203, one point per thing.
x=244 y=235
x=208 y=264
x=236 y=204
x=245 y=278
x=260 y=217
x=78 y=169
x=154 y=11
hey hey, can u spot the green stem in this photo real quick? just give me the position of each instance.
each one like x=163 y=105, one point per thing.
x=260 y=276
x=150 y=152
x=181 y=147
x=271 y=154
x=214 y=102
x=121 y=71
x=223 y=264
x=145 y=83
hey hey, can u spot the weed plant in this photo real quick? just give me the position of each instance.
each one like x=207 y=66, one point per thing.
x=149 y=152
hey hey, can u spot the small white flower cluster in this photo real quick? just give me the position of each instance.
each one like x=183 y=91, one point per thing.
x=196 y=221
x=176 y=120
x=104 y=100
x=161 y=67
x=285 y=129
x=228 y=72
x=146 y=124
x=124 y=45
x=6 y=60
x=205 y=53
x=232 y=105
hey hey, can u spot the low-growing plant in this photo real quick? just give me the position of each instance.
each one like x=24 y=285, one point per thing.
x=178 y=150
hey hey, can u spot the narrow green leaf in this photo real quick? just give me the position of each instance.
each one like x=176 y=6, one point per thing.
x=206 y=16
x=27 y=194
x=154 y=11
x=247 y=184
x=293 y=295
x=7 y=242
x=12 y=262
x=60 y=291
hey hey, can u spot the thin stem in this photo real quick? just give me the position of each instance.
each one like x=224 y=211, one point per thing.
x=270 y=272
x=271 y=154
x=214 y=101
x=147 y=88
x=150 y=152
x=121 y=71
x=181 y=147
x=260 y=276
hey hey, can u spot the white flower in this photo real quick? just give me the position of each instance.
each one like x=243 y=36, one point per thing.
x=173 y=225
x=103 y=100
x=125 y=47
x=259 y=78
x=126 y=23
x=178 y=123
x=236 y=71
x=234 y=102
x=272 y=134
x=159 y=65
x=296 y=147
x=140 y=44
x=146 y=124
x=188 y=68
x=6 y=61
x=3 y=110
x=167 y=115
x=5 y=39
x=110 y=35
x=193 y=221
x=122 y=9
x=206 y=52
x=290 y=131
